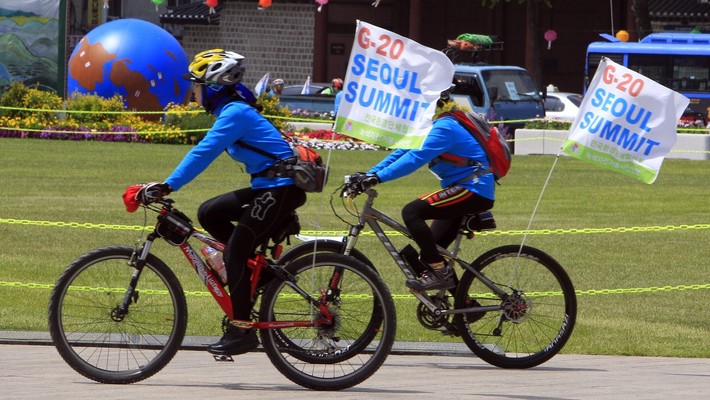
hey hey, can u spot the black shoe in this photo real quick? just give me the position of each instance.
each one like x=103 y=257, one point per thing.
x=435 y=279
x=235 y=341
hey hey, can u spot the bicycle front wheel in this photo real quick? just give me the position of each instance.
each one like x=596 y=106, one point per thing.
x=330 y=354
x=100 y=339
x=535 y=318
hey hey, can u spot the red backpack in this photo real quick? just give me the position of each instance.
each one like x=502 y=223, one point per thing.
x=490 y=139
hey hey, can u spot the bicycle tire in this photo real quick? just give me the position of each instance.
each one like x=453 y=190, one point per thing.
x=334 y=356
x=535 y=324
x=321 y=246
x=102 y=345
x=328 y=246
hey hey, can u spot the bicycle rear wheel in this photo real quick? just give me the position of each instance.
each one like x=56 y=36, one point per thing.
x=537 y=316
x=336 y=355
x=99 y=340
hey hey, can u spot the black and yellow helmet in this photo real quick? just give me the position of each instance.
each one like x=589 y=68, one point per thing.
x=216 y=66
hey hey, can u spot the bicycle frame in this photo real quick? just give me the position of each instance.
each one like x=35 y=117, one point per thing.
x=372 y=217
x=217 y=289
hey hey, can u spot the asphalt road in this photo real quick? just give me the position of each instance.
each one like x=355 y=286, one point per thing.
x=36 y=371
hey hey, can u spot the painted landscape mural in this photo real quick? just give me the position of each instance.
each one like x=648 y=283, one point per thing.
x=29 y=43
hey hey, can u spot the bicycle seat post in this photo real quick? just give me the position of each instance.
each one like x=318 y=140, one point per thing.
x=459 y=236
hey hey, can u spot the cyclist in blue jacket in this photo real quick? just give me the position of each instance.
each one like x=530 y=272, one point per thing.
x=243 y=218
x=465 y=189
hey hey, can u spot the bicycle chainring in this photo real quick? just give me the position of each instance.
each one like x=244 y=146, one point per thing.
x=428 y=319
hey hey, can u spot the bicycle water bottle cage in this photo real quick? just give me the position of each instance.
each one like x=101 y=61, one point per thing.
x=174 y=226
x=479 y=222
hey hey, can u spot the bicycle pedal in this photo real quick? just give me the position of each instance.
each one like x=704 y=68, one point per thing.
x=223 y=358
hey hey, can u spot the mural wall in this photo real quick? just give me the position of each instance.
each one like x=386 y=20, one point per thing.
x=30 y=43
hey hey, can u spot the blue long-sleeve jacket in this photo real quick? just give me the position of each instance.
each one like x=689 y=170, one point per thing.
x=236 y=120
x=445 y=136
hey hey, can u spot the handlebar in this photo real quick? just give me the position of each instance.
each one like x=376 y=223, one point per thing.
x=349 y=188
x=355 y=185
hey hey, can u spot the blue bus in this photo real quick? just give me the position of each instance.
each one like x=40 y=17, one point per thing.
x=680 y=61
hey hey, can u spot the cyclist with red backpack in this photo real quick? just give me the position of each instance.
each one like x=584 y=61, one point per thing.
x=243 y=218
x=467 y=182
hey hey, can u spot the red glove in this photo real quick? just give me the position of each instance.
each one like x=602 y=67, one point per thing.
x=130 y=197
x=142 y=193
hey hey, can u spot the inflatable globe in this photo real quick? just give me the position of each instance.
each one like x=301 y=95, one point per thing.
x=136 y=59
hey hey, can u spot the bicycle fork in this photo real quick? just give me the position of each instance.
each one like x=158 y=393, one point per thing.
x=131 y=295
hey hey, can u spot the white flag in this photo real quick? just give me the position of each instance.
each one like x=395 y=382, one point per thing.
x=626 y=122
x=261 y=85
x=392 y=85
x=307 y=86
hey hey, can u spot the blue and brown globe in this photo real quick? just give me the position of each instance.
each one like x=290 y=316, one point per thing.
x=135 y=59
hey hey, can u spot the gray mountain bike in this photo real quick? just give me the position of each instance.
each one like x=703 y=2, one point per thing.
x=514 y=306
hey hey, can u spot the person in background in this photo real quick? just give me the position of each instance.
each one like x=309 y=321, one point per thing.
x=338 y=99
x=277 y=86
x=243 y=218
x=335 y=86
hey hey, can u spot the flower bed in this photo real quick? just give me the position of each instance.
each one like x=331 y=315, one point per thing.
x=27 y=112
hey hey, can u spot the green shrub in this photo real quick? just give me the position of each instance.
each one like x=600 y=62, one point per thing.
x=14 y=96
x=30 y=99
x=274 y=112
x=36 y=99
x=549 y=124
x=191 y=119
x=94 y=111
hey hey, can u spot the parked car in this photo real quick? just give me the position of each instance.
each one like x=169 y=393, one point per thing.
x=296 y=89
x=562 y=105
x=312 y=103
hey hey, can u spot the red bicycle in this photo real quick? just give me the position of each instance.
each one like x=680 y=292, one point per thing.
x=118 y=314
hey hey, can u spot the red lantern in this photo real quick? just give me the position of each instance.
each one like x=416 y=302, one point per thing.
x=264 y=3
x=212 y=3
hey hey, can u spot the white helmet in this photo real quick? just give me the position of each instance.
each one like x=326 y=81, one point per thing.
x=217 y=66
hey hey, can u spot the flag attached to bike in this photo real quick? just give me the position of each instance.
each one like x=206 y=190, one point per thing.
x=391 y=88
x=626 y=122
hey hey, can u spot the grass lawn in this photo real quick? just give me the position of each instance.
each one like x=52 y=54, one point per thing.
x=635 y=252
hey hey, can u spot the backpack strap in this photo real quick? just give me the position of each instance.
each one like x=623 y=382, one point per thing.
x=453 y=160
x=257 y=150
x=278 y=170
x=478 y=172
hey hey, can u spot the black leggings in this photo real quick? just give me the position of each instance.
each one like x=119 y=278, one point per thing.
x=446 y=208
x=257 y=214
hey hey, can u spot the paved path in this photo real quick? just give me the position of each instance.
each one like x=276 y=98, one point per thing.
x=36 y=371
